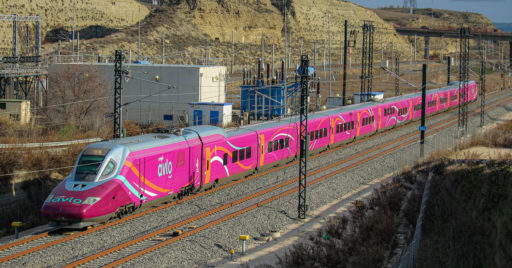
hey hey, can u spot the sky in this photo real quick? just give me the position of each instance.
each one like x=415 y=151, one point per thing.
x=495 y=10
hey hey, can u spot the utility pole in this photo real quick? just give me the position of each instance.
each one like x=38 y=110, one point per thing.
x=314 y=54
x=73 y=34
x=118 y=88
x=482 y=83
x=463 y=80
x=232 y=50
x=78 y=46
x=330 y=61
x=367 y=61
x=285 y=71
x=304 y=136
x=345 y=63
x=397 y=74
x=423 y=127
x=414 y=48
x=448 y=69
x=163 y=48
x=262 y=50
x=138 y=43
x=273 y=60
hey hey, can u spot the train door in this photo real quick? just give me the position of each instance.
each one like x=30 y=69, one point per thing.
x=140 y=164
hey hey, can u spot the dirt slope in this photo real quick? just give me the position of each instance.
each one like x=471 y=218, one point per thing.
x=59 y=13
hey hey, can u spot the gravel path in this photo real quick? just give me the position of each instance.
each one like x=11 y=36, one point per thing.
x=214 y=243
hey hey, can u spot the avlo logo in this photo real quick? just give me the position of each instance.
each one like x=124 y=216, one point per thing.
x=164 y=168
x=66 y=199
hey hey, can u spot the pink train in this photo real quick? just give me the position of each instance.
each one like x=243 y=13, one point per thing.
x=112 y=178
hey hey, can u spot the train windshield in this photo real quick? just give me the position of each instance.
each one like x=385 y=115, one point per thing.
x=89 y=164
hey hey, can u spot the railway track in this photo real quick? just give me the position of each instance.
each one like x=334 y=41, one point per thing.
x=150 y=242
x=43 y=241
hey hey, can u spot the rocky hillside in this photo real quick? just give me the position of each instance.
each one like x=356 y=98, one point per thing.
x=199 y=29
x=59 y=13
x=434 y=18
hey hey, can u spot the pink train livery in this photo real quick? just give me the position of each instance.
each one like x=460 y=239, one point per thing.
x=113 y=178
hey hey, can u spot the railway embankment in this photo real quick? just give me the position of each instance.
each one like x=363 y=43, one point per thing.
x=466 y=219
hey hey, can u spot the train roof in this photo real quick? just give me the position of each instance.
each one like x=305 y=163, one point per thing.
x=146 y=141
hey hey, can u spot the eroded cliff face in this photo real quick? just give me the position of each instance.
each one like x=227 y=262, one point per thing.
x=197 y=29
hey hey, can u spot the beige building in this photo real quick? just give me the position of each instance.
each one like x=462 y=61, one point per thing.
x=16 y=110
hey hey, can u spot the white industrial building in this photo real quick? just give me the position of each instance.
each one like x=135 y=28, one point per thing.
x=210 y=113
x=161 y=93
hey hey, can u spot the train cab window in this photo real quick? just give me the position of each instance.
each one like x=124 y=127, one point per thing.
x=270 y=145
x=234 y=157
x=287 y=142
x=88 y=167
x=242 y=154
x=109 y=169
x=225 y=159
x=276 y=145
x=248 y=153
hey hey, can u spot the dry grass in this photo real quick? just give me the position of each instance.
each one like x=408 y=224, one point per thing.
x=498 y=137
x=363 y=236
x=467 y=221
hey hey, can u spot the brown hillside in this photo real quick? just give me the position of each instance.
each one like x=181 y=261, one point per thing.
x=59 y=13
x=189 y=30
x=434 y=18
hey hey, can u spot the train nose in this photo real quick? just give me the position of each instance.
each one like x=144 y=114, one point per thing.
x=67 y=208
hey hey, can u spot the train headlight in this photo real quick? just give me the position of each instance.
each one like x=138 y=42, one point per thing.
x=91 y=200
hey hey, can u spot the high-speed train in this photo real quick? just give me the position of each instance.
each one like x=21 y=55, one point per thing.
x=114 y=177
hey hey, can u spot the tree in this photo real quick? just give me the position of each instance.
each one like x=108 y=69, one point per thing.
x=77 y=95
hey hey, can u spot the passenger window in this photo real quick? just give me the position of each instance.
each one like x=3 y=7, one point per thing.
x=316 y=134
x=352 y=125
x=225 y=159
x=276 y=145
x=281 y=143
x=248 y=153
x=325 y=132
x=235 y=157
x=270 y=147
x=242 y=154
x=287 y=142
x=311 y=135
